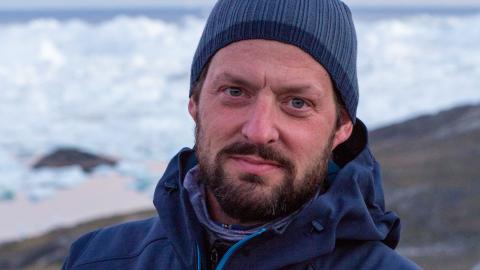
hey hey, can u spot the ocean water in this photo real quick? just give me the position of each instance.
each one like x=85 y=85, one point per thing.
x=116 y=83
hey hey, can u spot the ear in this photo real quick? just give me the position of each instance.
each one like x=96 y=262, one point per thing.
x=193 y=108
x=344 y=131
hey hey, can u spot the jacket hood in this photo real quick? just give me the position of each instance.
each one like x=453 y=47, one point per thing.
x=351 y=209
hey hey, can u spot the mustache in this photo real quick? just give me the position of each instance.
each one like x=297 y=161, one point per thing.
x=263 y=151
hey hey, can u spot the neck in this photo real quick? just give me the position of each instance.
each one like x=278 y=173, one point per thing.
x=217 y=214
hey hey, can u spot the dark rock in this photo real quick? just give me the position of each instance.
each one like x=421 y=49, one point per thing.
x=445 y=124
x=70 y=156
x=431 y=179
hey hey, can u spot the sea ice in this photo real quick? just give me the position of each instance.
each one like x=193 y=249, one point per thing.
x=120 y=87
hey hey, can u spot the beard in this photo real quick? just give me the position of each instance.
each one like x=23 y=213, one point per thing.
x=249 y=198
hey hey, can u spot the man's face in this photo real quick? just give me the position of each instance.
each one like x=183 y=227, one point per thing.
x=266 y=125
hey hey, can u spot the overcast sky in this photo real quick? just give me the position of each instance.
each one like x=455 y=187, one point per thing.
x=33 y=4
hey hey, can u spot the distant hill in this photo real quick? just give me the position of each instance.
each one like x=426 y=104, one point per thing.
x=431 y=169
x=47 y=252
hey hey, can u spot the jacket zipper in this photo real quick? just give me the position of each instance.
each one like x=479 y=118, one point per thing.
x=199 y=258
x=235 y=247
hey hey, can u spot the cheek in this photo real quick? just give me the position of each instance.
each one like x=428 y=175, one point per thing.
x=305 y=143
x=219 y=127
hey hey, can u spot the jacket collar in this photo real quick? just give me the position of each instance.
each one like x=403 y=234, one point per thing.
x=174 y=209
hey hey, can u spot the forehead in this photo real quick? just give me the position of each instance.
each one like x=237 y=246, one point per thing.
x=267 y=61
x=267 y=50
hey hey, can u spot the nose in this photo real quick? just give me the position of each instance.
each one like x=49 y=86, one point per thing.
x=260 y=126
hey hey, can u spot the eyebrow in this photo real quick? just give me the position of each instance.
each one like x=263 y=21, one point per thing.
x=231 y=78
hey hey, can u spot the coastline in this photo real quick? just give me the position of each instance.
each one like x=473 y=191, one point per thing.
x=95 y=198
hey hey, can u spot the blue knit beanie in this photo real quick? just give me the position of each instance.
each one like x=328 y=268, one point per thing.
x=322 y=28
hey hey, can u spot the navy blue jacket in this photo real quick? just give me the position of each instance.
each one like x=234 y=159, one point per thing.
x=346 y=227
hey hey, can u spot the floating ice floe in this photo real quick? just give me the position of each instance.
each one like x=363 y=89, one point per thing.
x=120 y=87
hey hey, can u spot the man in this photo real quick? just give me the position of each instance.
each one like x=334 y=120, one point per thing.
x=280 y=176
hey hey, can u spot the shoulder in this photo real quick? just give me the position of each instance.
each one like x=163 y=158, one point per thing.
x=123 y=241
x=365 y=255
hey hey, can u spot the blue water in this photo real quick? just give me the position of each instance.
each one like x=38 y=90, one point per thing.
x=375 y=13
x=175 y=14
x=169 y=14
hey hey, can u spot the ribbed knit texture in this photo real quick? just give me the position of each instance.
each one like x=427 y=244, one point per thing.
x=322 y=28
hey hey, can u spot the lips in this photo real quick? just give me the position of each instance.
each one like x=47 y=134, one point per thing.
x=254 y=164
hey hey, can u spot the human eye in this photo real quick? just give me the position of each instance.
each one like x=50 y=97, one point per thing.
x=234 y=95
x=297 y=106
x=233 y=91
x=297 y=103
